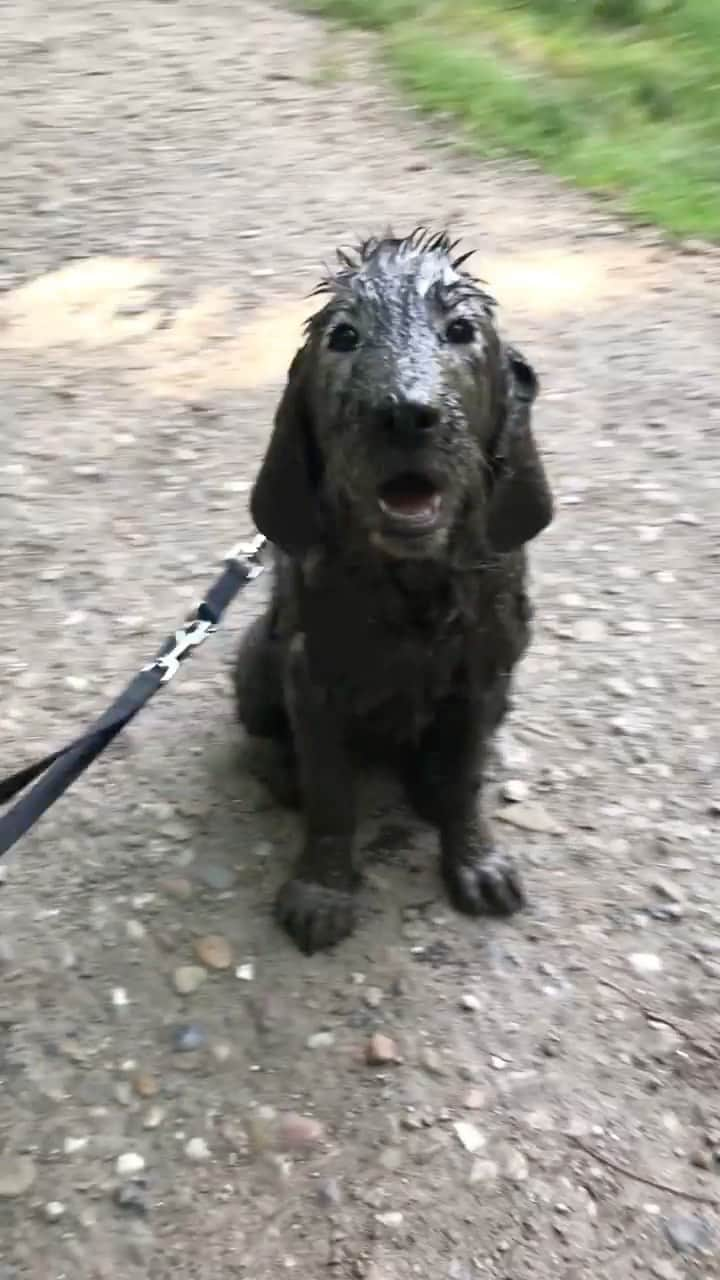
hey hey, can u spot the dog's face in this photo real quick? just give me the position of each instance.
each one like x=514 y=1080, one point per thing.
x=398 y=405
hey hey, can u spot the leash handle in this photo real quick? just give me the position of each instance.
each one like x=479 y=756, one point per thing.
x=54 y=773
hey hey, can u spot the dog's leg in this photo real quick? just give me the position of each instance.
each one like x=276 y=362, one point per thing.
x=446 y=780
x=317 y=905
x=260 y=702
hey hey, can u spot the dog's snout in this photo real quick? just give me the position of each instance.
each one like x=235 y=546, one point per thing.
x=407 y=417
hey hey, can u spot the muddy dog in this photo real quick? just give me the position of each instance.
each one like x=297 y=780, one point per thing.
x=399 y=487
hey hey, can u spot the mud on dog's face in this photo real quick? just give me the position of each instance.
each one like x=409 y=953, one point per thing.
x=396 y=413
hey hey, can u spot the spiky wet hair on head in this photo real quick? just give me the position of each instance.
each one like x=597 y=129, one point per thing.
x=355 y=265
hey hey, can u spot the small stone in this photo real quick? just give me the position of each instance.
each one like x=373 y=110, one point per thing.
x=189 y=1039
x=373 y=997
x=392 y=1219
x=689 y=1233
x=432 y=1062
x=54 y=1210
x=474 y=1100
x=516 y=1166
x=135 y=930
x=381 y=1051
x=589 y=631
x=187 y=978
x=131 y=1197
x=702 y=1159
x=129 y=1164
x=469 y=1002
x=153 y=1118
x=245 y=972
x=515 y=790
x=221 y=1052
x=469 y=1136
x=483 y=1171
x=663 y=1269
x=145 y=1085
x=668 y=889
x=213 y=951
x=330 y=1193
x=217 y=876
x=17 y=1175
x=197 y=1149
x=645 y=962
x=299 y=1133
x=530 y=817
x=119 y=998
x=321 y=1040
x=541 y=1121
x=71 y=1145
x=177 y=887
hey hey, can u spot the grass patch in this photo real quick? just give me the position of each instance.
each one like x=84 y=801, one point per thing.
x=620 y=96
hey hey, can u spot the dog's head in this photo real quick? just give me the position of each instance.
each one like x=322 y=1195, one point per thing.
x=404 y=416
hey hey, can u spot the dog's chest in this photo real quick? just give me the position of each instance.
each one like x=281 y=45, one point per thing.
x=386 y=655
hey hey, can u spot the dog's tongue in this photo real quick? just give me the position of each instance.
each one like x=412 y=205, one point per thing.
x=407 y=503
x=410 y=496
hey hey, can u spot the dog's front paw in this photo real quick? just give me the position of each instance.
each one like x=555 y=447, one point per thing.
x=315 y=916
x=483 y=883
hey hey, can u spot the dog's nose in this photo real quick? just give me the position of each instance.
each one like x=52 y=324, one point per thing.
x=407 y=417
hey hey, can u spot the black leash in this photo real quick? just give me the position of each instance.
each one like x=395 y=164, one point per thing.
x=57 y=771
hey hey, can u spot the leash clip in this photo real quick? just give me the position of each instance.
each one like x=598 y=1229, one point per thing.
x=248 y=553
x=187 y=638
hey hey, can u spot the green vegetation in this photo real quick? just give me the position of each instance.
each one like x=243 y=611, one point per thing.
x=621 y=96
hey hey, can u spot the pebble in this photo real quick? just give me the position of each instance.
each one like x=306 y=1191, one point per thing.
x=17 y=1175
x=330 y=1193
x=516 y=1166
x=483 y=1171
x=178 y=887
x=663 y=1269
x=213 y=951
x=469 y=1002
x=187 y=978
x=515 y=790
x=373 y=997
x=299 y=1133
x=197 y=1149
x=689 y=1233
x=189 y=1039
x=381 y=1051
x=54 y=1210
x=71 y=1145
x=132 y=1198
x=432 y=1062
x=469 y=1136
x=120 y=998
x=245 y=972
x=215 y=875
x=135 y=930
x=530 y=817
x=390 y=1219
x=145 y=1085
x=645 y=962
x=589 y=631
x=321 y=1040
x=474 y=1100
x=129 y=1164
x=668 y=889
x=153 y=1118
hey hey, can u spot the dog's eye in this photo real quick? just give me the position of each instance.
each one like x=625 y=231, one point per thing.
x=460 y=330
x=343 y=338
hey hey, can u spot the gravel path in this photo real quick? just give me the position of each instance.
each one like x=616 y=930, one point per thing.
x=181 y=1094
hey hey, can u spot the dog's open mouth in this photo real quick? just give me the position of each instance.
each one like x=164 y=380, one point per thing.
x=411 y=501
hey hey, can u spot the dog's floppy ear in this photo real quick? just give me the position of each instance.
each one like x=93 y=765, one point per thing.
x=283 y=500
x=520 y=505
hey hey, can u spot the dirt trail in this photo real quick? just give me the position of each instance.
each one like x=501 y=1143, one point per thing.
x=172 y=181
